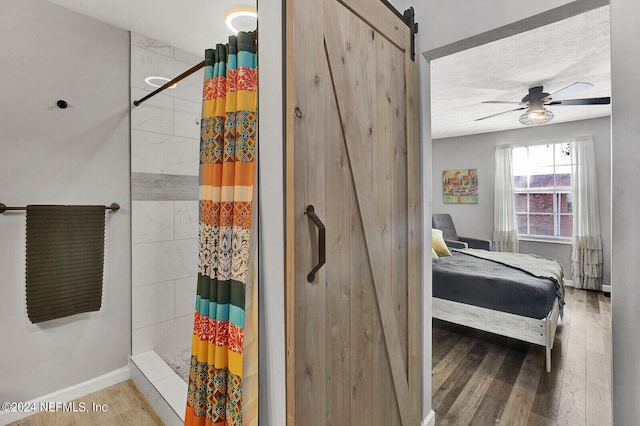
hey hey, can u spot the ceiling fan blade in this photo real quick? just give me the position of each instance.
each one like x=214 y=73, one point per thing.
x=502 y=102
x=585 y=101
x=569 y=90
x=500 y=113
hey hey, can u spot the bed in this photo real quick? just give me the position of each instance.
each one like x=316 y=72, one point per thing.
x=516 y=295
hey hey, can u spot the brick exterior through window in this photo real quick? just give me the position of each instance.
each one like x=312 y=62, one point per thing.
x=542 y=181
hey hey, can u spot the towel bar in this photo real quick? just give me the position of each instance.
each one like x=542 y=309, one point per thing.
x=4 y=208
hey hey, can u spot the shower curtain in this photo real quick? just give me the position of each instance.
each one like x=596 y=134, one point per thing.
x=217 y=391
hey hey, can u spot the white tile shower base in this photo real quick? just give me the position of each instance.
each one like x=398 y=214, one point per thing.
x=165 y=390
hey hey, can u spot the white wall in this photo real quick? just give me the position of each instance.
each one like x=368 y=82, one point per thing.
x=424 y=77
x=453 y=20
x=271 y=307
x=165 y=138
x=477 y=152
x=79 y=155
x=625 y=148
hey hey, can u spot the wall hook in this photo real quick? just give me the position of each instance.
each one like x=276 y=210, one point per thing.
x=62 y=104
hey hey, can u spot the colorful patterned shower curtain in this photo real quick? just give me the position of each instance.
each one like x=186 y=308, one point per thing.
x=227 y=155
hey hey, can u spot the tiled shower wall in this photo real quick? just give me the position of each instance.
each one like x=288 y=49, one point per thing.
x=164 y=191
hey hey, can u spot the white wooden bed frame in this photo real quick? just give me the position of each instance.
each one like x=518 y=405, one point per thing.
x=537 y=331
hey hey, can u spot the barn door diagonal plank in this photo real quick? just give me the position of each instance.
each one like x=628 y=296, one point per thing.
x=353 y=328
x=373 y=226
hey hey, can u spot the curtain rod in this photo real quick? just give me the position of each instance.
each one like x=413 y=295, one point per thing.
x=4 y=208
x=171 y=83
x=183 y=75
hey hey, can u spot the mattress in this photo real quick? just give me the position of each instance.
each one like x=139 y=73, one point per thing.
x=487 y=284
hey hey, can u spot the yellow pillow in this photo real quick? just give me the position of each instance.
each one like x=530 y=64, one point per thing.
x=434 y=255
x=438 y=244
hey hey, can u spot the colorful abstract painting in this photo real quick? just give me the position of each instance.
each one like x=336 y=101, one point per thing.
x=460 y=186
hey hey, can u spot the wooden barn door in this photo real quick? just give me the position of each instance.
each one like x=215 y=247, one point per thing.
x=353 y=328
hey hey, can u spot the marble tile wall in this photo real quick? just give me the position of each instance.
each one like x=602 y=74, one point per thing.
x=164 y=178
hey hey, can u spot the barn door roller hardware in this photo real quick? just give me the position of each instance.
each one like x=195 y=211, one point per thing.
x=409 y=19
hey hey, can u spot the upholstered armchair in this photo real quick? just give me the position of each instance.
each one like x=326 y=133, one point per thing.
x=444 y=223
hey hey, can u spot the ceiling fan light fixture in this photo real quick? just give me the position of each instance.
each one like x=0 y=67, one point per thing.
x=535 y=117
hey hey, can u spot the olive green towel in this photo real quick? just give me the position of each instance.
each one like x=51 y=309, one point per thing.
x=65 y=259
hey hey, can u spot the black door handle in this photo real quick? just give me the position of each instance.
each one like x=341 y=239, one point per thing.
x=311 y=212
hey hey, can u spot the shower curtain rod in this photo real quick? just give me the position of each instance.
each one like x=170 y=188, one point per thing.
x=170 y=83
x=4 y=208
x=180 y=77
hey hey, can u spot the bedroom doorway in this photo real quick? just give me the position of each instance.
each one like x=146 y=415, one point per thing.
x=589 y=314
x=353 y=200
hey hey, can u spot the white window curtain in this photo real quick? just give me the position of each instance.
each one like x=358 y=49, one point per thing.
x=586 y=258
x=505 y=228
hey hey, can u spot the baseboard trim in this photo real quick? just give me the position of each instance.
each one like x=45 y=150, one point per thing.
x=430 y=420
x=606 y=288
x=72 y=392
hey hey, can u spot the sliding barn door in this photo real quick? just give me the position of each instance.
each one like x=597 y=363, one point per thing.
x=353 y=198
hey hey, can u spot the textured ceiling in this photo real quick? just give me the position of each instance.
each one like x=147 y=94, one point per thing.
x=554 y=56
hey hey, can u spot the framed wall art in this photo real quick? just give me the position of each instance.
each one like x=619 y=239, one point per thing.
x=460 y=186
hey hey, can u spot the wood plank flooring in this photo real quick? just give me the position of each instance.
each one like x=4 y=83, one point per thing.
x=480 y=378
x=124 y=406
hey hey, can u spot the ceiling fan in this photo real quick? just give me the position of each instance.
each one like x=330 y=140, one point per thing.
x=537 y=99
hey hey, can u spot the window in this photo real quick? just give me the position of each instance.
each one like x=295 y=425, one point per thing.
x=542 y=184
